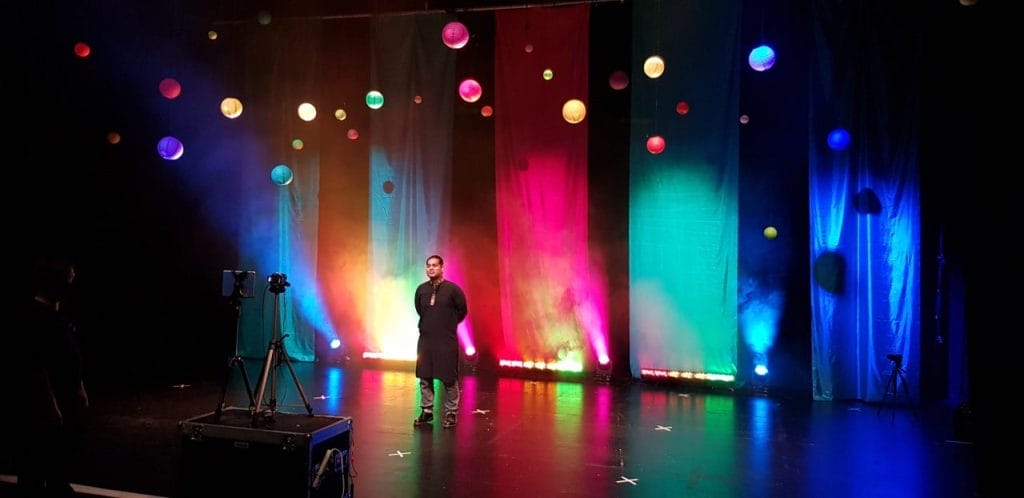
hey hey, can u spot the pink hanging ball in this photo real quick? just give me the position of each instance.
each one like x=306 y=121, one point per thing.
x=470 y=90
x=170 y=88
x=455 y=35
x=618 y=80
x=656 y=145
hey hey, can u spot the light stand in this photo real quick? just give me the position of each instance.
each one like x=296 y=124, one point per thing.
x=275 y=356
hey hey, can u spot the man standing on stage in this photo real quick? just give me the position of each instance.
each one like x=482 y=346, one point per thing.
x=441 y=306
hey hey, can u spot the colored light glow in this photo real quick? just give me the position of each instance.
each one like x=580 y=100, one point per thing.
x=770 y=232
x=391 y=320
x=486 y=111
x=682 y=107
x=307 y=111
x=548 y=75
x=373 y=355
x=761 y=370
x=657 y=373
x=603 y=360
x=470 y=351
x=335 y=343
x=340 y=114
x=298 y=144
x=211 y=34
x=555 y=365
x=353 y=134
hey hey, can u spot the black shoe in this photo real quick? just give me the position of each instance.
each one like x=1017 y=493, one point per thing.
x=450 y=419
x=426 y=417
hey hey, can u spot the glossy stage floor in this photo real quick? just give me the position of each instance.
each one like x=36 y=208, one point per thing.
x=519 y=436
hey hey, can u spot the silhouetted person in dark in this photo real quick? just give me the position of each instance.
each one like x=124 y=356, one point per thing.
x=50 y=392
x=441 y=306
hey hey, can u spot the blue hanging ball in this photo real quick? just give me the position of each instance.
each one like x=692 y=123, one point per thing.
x=839 y=139
x=281 y=175
x=761 y=58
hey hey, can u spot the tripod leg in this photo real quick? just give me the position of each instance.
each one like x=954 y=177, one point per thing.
x=224 y=390
x=890 y=386
x=268 y=364
x=295 y=378
x=245 y=380
x=906 y=389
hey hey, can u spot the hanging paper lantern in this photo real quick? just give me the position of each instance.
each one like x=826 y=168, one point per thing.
x=761 y=58
x=298 y=144
x=573 y=111
x=340 y=114
x=281 y=175
x=470 y=90
x=82 y=49
x=744 y=119
x=170 y=88
x=307 y=111
x=528 y=48
x=388 y=186
x=548 y=74
x=455 y=35
x=263 y=17
x=353 y=134
x=839 y=139
x=374 y=99
x=417 y=99
x=682 y=107
x=114 y=138
x=170 y=148
x=656 y=145
x=486 y=111
x=654 y=67
x=211 y=34
x=618 y=80
x=770 y=232
x=231 y=107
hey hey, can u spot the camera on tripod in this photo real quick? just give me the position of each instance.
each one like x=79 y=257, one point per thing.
x=895 y=358
x=278 y=281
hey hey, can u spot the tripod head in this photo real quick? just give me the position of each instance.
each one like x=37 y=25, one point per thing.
x=897 y=359
x=278 y=282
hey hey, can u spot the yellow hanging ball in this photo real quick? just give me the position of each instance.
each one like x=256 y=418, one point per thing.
x=574 y=111
x=770 y=232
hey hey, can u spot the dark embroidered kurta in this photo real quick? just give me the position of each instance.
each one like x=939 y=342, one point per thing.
x=437 y=352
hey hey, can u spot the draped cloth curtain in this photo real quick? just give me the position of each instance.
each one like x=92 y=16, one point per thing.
x=683 y=202
x=280 y=224
x=864 y=198
x=549 y=302
x=410 y=171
